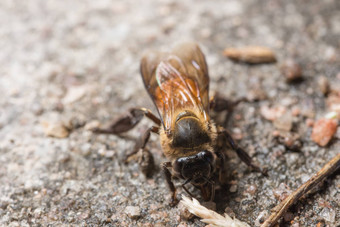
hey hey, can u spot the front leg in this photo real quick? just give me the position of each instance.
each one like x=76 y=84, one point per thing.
x=146 y=163
x=208 y=191
x=241 y=153
x=146 y=160
x=128 y=121
x=222 y=170
x=168 y=176
x=142 y=142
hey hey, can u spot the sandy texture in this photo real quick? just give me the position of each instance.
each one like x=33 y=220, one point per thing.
x=66 y=64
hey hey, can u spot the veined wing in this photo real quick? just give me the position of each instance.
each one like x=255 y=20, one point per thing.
x=177 y=81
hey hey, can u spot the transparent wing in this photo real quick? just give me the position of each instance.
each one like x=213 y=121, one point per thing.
x=177 y=81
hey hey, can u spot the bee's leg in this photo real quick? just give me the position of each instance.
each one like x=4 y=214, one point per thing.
x=241 y=153
x=167 y=174
x=146 y=163
x=219 y=104
x=142 y=142
x=185 y=188
x=212 y=196
x=208 y=191
x=128 y=121
x=221 y=176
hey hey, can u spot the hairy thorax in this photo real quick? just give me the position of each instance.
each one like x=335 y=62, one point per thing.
x=189 y=135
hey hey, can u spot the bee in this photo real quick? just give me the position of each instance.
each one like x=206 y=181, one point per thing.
x=178 y=84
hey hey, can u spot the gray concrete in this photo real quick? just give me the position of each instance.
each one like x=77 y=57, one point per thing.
x=74 y=62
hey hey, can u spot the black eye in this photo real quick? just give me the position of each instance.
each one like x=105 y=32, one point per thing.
x=206 y=155
x=178 y=165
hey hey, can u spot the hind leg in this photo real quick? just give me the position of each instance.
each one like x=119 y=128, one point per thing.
x=128 y=122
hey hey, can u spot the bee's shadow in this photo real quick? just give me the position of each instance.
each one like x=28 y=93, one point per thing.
x=222 y=197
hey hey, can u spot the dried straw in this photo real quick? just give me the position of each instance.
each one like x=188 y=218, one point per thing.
x=209 y=216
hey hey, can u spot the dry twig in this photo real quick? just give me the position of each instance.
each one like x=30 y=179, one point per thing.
x=250 y=54
x=281 y=209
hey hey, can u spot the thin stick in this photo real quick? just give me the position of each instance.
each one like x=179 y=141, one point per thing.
x=281 y=209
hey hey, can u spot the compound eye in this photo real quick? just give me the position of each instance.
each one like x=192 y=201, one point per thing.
x=178 y=165
x=206 y=155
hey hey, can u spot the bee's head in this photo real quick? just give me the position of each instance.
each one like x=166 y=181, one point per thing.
x=196 y=168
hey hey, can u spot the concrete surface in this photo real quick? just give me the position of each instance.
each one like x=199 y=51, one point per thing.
x=71 y=63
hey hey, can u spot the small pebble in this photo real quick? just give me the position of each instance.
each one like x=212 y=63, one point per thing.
x=64 y=157
x=261 y=218
x=106 y=153
x=37 y=212
x=37 y=108
x=288 y=216
x=272 y=113
x=237 y=134
x=292 y=141
x=92 y=125
x=252 y=189
x=285 y=122
x=85 y=149
x=133 y=212
x=333 y=102
x=57 y=130
x=320 y=224
x=291 y=70
x=76 y=121
x=276 y=133
x=282 y=192
x=58 y=106
x=185 y=213
x=257 y=94
x=296 y=224
x=328 y=214
x=84 y=215
x=205 y=33
x=74 y=94
x=296 y=111
x=323 y=85
x=323 y=131
x=308 y=112
x=233 y=188
x=309 y=122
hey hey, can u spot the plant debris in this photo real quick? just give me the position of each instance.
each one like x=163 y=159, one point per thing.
x=210 y=216
x=304 y=189
x=251 y=54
